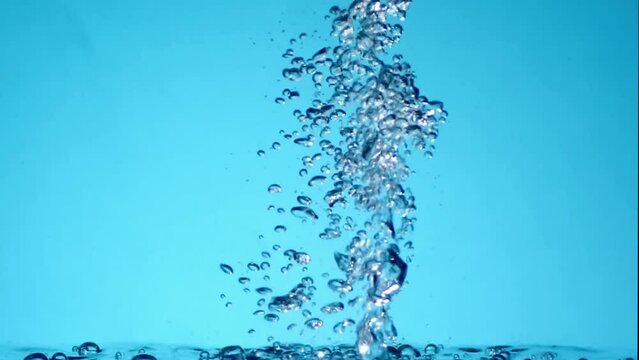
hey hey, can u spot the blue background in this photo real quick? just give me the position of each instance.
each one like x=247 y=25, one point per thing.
x=128 y=170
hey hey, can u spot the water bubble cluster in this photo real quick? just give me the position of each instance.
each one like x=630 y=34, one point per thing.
x=359 y=128
x=381 y=118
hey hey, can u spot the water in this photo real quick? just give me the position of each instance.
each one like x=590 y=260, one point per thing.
x=303 y=352
x=361 y=122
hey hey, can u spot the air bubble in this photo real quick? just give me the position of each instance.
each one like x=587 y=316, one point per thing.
x=274 y=189
x=304 y=200
x=263 y=290
x=317 y=180
x=304 y=212
x=314 y=323
x=227 y=269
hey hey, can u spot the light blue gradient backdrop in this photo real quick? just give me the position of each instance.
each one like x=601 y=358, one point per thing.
x=128 y=132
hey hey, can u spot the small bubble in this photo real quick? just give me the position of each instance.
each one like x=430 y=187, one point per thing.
x=271 y=317
x=228 y=304
x=342 y=326
x=306 y=313
x=266 y=254
x=251 y=331
x=303 y=172
x=253 y=266
x=265 y=265
x=332 y=308
x=261 y=302
x=261 y=153
x=314 y=323
x=263 y=290
x=226 y=268
x=280 y=229
x=244 y=280
x=317 y=180
x=280 y=100
x=304 y=213
x=274 y=189
x=276 y=146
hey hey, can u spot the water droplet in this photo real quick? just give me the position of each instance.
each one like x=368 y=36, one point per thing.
x=276 y=146
x=244 y=280
x=228 y=304
x=304 y=200
x=261 y=302
x=280 y=100
x=251 y=331
x=280 y=229
x=266 y=255
x=271 y=317
x=265 y=265
x=253 y=266
x=226 y=268
x=303 y=172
